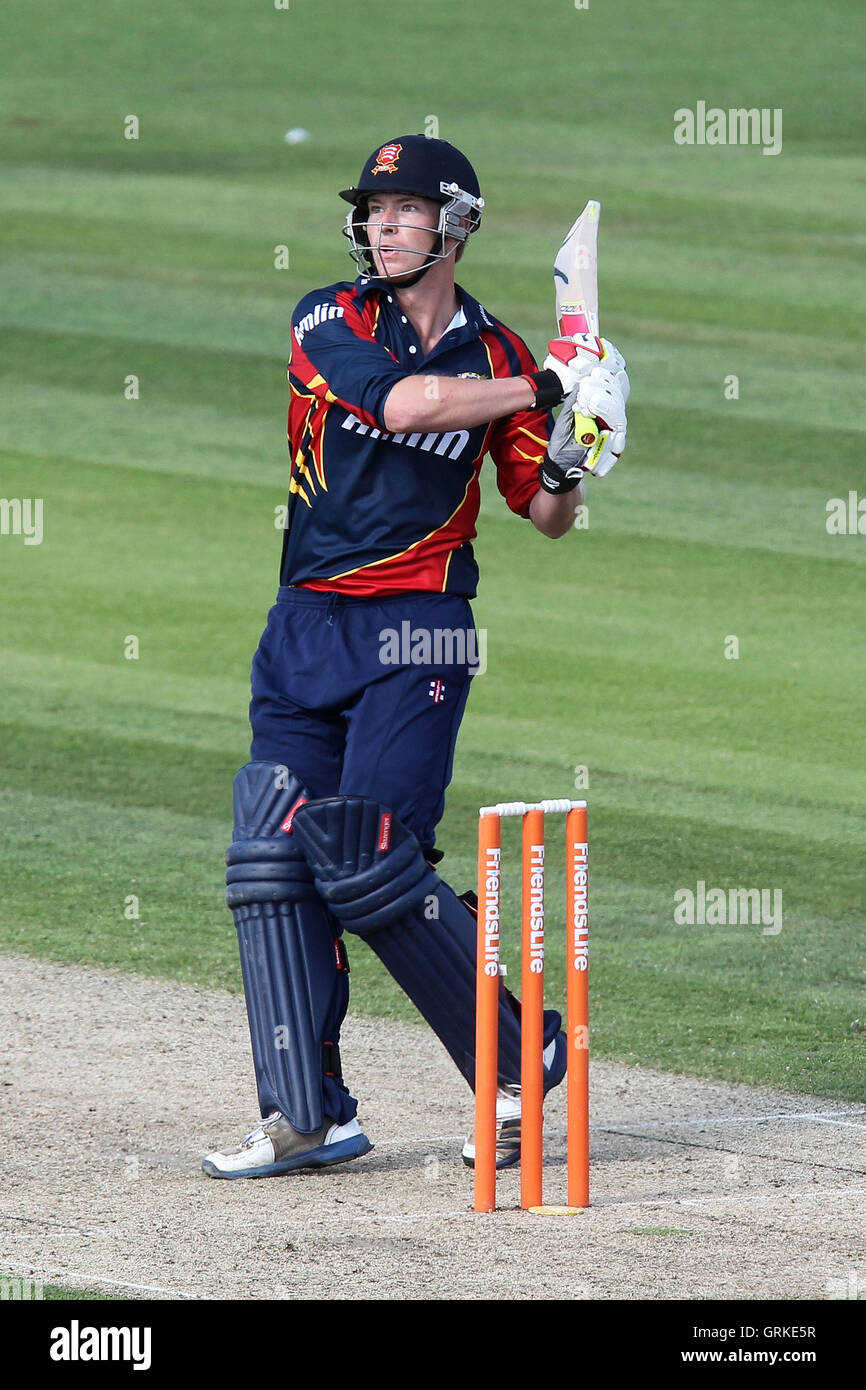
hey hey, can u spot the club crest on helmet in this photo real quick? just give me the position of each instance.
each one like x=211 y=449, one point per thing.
x=387 y=159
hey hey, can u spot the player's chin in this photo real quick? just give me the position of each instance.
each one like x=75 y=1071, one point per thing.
x=397 y=267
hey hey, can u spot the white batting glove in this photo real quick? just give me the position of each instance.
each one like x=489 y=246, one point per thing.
x=574 y=358
x=601 y=396
x=563 y=464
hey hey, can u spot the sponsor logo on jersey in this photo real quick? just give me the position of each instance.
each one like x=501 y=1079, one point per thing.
x=387 y=159
x=320 y=314
x=453 y=442
x=473 y=376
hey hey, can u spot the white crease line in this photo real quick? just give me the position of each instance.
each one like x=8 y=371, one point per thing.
x=849 y=1124
x=60 y=1275
x=820 y=1116
x=407 y=1142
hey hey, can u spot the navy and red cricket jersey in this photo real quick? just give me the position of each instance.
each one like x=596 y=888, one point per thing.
x=373 y=513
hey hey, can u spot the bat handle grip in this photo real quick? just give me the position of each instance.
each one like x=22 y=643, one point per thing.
x=586 y=430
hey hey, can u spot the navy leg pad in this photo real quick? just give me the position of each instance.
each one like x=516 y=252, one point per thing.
x=294 y=978
x=368 y=867
x=372 y=873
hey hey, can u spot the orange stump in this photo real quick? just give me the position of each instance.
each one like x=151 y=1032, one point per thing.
x=532 y=1011
x=532 y=1006
x=577 y=1006
x=487 y=1011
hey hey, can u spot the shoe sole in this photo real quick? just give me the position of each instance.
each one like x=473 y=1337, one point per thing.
x=503 y=1163
x=323 y=1157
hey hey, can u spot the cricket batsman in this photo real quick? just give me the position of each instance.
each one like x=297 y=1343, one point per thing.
x=401 y=384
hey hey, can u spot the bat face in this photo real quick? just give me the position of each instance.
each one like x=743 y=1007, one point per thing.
x=575 y=275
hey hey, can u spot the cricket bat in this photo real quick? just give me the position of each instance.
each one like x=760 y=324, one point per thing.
x=575 y=279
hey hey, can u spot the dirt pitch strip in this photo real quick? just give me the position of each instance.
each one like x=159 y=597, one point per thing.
x=114 y=1086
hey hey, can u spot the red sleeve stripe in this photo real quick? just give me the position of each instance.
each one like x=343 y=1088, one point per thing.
x=310 y=378
x=363 y=325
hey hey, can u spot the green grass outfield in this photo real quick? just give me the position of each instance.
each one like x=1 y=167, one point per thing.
x=606 y=649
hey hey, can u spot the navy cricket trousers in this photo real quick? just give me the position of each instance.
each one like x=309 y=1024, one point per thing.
x=364 y=697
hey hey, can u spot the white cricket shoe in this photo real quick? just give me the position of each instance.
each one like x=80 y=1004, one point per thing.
x=508 y=1118
x=507 y=1130
x=275 y=1147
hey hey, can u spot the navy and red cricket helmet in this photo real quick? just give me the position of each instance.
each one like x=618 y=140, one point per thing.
x=430 y=168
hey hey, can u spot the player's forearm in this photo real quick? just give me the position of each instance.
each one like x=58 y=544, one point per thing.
x=445 y=402
x=554 y=515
